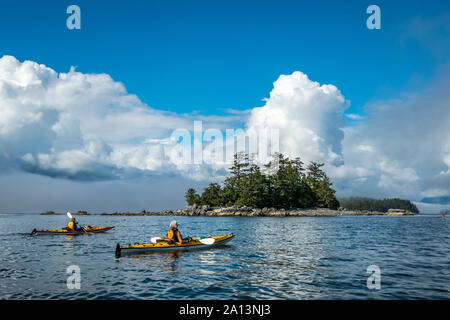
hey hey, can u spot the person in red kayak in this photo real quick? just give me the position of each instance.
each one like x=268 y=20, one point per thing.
x=174 y=235
x=73 y=225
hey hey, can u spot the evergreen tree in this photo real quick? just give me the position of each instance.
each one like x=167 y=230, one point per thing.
x=253 y=191
x=212 y=195
x=192 y=197
x=235 y=184
x=368 y=204
x=286 y=185
x=281 y=183
x=320 y=185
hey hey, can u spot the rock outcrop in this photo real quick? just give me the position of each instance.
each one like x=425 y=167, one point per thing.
x=399 y=212
x=237 y=211
x=242 y=211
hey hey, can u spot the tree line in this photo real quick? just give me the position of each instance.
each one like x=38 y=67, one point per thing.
x=369 y=204
x=281 y=183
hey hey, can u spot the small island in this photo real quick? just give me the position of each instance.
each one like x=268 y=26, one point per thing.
x=78 y=213
x=242 y=211
x=81 y=213
x=48 y=213
x=282 y=187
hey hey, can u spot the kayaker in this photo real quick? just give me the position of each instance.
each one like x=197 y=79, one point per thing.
x=73 y=225
x=174 y=234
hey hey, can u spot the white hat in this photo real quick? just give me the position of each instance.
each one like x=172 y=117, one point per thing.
x=173 y=224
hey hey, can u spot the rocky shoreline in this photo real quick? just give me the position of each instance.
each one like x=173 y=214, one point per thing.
x=237 y=211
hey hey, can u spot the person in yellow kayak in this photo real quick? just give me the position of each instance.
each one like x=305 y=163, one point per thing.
x=174 y=235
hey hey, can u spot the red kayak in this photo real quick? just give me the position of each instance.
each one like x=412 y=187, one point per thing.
x=71 y=232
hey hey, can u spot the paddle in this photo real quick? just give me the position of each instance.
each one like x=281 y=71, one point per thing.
x=203 y=241
x=207 y=240
x=155 y=239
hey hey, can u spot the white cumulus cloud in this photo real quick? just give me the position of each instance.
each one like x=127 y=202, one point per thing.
x=307 y=115
x=88 y=127
x=75 y=125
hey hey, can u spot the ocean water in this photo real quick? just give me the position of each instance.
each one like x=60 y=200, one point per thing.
x=270 y=258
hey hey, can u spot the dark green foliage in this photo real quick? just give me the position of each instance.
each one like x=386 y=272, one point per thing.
x=320 y=185
x=368 y=204
x=192 y=197
x=212 y=195
x=283 y=184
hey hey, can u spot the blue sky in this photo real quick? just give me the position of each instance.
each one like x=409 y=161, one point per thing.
x=213 y=55
x=67 y=142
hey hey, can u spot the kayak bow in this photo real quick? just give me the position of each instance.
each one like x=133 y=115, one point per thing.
x=162 y=246
x=66 y=232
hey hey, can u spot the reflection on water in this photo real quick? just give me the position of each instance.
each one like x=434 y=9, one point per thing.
x=270 y=258
x=172 y=262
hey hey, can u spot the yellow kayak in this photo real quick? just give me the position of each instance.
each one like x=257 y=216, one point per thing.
x=194 y=244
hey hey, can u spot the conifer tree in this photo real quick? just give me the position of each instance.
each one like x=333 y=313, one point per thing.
x=281 y=183
x=192 y=197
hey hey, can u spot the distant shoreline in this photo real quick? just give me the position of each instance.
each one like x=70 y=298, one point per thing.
x=53 y=213
x=237 y=211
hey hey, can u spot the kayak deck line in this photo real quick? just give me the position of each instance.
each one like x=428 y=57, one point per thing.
x=194 y=244
x=93 y=229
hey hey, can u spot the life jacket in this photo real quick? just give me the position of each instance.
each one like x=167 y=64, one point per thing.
x=71 y=225
x=171 y=235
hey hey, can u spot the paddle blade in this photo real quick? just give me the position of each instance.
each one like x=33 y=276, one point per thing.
x=207 y=240
x=69 y=215
x=155 y=239
x=118 y=250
